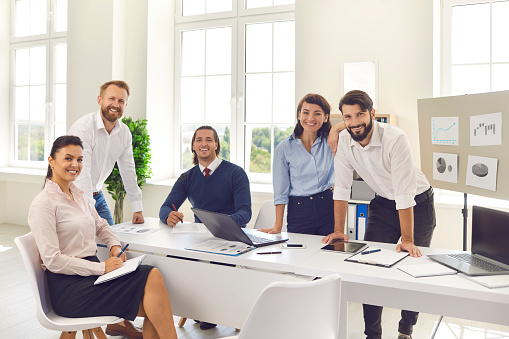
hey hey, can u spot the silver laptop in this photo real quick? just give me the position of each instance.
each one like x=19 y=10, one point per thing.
x=223 y=226
x=490 y=247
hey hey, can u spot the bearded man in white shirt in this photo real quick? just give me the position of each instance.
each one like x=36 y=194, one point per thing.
x=403 y=206
x=106 y=140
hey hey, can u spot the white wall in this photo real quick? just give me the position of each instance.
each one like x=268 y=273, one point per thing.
x=3 y=189
x=160 y=75
x=4 y=83
x=89 y=53
x=398 y=33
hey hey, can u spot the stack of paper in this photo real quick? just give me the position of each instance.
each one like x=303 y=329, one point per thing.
x=490 y=281
x=426 y=270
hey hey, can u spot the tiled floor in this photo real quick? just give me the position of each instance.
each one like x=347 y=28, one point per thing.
x=17 y=315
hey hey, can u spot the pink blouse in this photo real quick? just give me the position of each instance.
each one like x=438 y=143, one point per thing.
x=65 y=231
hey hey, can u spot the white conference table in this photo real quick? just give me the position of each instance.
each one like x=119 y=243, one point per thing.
x=225 y=294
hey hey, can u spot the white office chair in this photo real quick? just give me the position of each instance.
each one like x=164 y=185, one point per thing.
x=45 y=314
x=295 y=310
x=267 y=216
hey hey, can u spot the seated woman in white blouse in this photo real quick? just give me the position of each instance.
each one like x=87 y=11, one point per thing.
x=65 y=225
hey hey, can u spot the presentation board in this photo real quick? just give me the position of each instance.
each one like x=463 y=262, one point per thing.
x=464 y=143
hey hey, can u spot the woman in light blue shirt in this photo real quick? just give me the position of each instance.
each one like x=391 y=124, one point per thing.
x=303 y=171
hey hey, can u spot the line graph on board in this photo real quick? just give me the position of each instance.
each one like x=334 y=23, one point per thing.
x=444 y=131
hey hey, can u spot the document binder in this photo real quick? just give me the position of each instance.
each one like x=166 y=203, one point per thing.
x=362 y=218
x=351 y=221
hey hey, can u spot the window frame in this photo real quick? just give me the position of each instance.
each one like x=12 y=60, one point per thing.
x=446 y=44
x=49 y=40
x=237 y=20
x=241 y=95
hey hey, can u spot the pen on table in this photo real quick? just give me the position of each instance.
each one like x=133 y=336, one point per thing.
x=175 y=209
x=123 y=250
x=269 y=252
x=373 y=251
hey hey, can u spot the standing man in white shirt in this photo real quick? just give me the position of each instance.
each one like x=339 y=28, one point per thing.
x=403 y=206
x=106 y=140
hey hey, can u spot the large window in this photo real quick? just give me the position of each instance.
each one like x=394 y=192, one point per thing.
x=475 y=48
x=38 y=78
x=235 y=71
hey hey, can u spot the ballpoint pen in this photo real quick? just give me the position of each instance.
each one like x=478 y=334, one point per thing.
x=175 y=209
x=373 y=251
x=268 y=253
x=123 y=250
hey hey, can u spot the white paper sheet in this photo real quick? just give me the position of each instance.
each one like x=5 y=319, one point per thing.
x=133 y=229
x=445 y=131
x=188 y=227
x=128 y=266
x=482 y=172
x=220 y=246
x=486 y=129
x=445 y=167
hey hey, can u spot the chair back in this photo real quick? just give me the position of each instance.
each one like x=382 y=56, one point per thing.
x=267 y=216
x=43 y=309
x=32 y=260
x=296 y=310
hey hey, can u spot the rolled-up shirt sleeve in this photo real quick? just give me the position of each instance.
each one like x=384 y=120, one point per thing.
x=127 y=170
x=280 y=177
x=404 y=180
x=343 y=174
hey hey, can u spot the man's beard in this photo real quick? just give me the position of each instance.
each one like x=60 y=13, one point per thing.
x=110 y=117
x=362 y=136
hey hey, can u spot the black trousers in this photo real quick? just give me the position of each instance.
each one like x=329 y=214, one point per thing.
x=312 y=214
x=383 y=226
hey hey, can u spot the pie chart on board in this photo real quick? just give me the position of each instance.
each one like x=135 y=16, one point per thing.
x=480 y=170
x=441 y=165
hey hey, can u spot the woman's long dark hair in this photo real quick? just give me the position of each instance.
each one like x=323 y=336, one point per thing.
x=315 y=99
x=59 y=143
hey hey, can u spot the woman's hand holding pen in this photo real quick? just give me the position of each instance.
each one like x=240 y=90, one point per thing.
x=112 y=264
x=174 y=217
x=115 y=251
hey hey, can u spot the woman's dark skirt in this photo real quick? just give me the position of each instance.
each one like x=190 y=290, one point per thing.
x=76 y=296
x=312 y=214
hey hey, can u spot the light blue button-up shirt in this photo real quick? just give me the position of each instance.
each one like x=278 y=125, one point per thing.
x=296 y=172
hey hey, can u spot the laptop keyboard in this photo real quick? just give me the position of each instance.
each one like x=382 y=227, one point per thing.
x=258 y=240
x=477 y=262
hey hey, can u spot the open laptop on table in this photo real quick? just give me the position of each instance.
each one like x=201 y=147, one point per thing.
x=490 y=245
x=223 y=226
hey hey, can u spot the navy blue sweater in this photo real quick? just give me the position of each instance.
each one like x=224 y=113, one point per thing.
x=225 y=191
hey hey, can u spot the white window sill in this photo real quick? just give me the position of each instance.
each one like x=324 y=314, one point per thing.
x=27 y=175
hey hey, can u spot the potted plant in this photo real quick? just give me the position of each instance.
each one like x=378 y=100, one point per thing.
x=142 y=156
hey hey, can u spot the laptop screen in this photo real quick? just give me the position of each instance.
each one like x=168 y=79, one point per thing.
x=490 y=233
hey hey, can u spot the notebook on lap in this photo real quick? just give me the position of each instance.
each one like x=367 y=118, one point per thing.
x=490 y=245
x=223 y=226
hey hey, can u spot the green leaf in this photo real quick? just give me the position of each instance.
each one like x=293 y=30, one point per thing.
x=141 y=155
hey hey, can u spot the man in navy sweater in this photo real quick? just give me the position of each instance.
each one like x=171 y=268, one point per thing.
x=214 y=185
